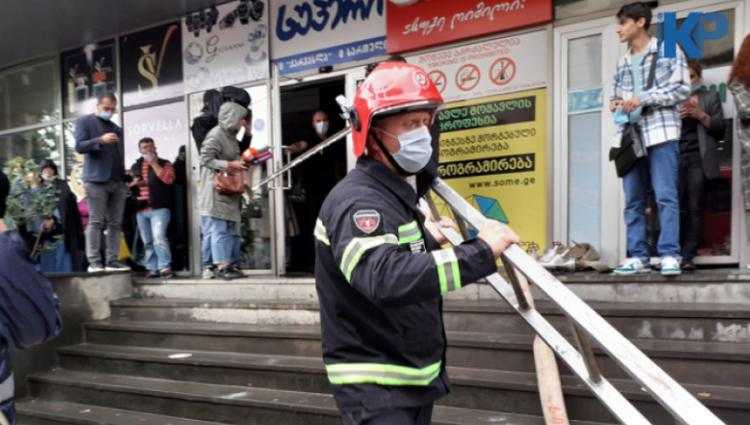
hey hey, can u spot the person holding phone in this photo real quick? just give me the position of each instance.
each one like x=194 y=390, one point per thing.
x=100 y=141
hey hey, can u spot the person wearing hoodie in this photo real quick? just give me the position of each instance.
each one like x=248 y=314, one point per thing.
x=208 y=118
x=220 y=214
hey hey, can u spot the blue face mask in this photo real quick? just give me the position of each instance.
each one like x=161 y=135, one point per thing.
x=416 y=149
x=105 y=115
x=620 y=117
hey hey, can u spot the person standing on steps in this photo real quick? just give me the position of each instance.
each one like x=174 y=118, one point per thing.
x=380 y=271
x=648 y=88
x=100 y=141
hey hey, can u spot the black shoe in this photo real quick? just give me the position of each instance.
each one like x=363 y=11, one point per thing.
x=688 y=266
x=116 y=266
x=229 y=273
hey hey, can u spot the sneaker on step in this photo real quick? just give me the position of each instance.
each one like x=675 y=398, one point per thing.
x=229 y=273
x=95 y=268
x=208 y=273
x=670 y=266
x=630 y=267
x=116 y=266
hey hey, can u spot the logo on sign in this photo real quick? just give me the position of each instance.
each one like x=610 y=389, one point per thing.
x=693 y=32
x=502 y=71
x=148 y=66
x=316 y=15
x=439 y=79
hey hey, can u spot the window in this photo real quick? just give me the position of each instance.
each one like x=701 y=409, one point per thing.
x=29 y=95
x=37 y=144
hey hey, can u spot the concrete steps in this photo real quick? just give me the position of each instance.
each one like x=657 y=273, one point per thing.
x=472 y=388
x=230 y=404
x=680 y=321
x=41 y=412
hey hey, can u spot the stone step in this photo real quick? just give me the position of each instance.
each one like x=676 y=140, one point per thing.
x=710 y=363
x=470 y=387
x=45 y=412
x=697 y=322
x=231 y=404
x=705 y=286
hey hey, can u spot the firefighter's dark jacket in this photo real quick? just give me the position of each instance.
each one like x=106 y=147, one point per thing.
x=380 y=277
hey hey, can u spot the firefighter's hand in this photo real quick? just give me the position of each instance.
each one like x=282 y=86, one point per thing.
x=498 y=236
x=433 y=227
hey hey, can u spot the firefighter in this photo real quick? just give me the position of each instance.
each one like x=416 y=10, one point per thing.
x=380 y=271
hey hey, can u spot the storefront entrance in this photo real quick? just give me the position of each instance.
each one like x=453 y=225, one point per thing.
x=589 y=200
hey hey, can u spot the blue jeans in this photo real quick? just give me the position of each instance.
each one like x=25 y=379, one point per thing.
x=223 y=240
x=56 y=260
x=153 y=225
x=660 y=172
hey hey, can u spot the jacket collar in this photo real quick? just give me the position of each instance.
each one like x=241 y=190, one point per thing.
x=653 y=47
x=384 y=176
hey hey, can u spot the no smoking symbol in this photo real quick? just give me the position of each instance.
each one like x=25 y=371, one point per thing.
x=467 y=77
x=502 y=71
x=440 y=80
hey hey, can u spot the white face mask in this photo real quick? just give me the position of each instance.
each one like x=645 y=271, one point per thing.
x=321 y=127
x=416 y=149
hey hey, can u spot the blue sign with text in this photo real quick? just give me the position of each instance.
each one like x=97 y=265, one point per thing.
x=692 y=33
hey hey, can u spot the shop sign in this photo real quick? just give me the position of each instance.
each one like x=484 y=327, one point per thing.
x=229 y=54
x=87 y=72
x=166 y=124
x=151 y=65
x=413 y=25
x=309 y=34
x=493 y=152
x=492 y=67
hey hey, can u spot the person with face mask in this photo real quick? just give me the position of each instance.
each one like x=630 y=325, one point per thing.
x=69 y=255
x=154 y=176
x=702 y=126
x=380 y=271
x=100 y=141
x=220 y=213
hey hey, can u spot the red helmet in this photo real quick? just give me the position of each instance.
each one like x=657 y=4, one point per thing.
x=390 y=88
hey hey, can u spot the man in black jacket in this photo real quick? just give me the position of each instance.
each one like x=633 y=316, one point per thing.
x=154 y=176
x=100 y=140
x=702 y=127
x=380 y=270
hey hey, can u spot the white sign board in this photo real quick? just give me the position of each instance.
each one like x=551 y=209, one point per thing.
x=166 y=124
x=308 y=34
x=493 y=67
x=228 y=55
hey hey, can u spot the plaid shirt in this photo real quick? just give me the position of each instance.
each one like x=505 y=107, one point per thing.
x=661 y=122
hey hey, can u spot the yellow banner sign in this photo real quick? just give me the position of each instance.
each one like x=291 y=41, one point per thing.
x=492 y=152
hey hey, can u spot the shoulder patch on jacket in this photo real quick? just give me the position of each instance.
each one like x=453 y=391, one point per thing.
x=366 y=220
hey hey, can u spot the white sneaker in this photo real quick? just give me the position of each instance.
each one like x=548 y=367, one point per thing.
x=670 y=266
x=95 y=268
x=630 y=267
x=208 y=274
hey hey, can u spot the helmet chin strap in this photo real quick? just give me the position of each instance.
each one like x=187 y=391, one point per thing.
x=388 y=155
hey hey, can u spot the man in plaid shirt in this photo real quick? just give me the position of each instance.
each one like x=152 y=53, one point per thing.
x=655 y=108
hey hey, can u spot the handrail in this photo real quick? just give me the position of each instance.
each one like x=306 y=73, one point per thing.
x=586 y=324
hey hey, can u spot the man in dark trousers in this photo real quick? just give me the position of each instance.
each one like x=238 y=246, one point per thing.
x=100 y=141
x=380 y=271
x=29 y=309
x=702 y=126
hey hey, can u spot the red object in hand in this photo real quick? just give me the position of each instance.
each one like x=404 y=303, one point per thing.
x=253 y=156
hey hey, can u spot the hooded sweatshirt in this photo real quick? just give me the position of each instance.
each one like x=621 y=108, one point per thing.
x=219 y=148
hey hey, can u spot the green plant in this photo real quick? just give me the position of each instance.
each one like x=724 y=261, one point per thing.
x=28 y=201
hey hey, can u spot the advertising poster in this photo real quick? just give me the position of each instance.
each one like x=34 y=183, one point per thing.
x=233 y=52
x=498 y=66
x=166 y=124
x=413 y=25
x=151 y=65
x=87 y=72
x=493 y=152
x=308 y=34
